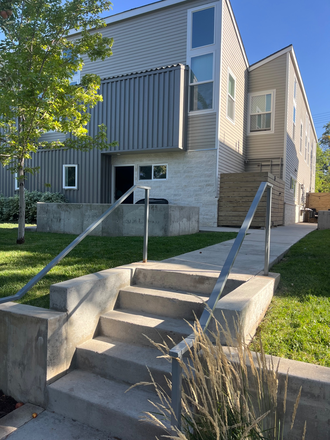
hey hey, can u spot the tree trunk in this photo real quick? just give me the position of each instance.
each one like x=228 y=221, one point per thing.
x=21 y=211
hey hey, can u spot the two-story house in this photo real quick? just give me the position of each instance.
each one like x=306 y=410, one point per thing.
x=185 y=106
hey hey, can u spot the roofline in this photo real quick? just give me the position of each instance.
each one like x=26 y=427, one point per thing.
x=232 y=15
x=289 y=49
x=136 y=12
x=270 y=57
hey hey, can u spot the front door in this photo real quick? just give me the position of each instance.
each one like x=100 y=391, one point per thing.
x=124 y=180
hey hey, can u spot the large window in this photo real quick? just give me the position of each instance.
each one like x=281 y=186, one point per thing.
x=294 y=108
x=261 y=112
x=202 y=32
x=301 y=138
x=70 y=176
x=231 y=96
x=200 y=56
x=153 y=172
x=201 y=82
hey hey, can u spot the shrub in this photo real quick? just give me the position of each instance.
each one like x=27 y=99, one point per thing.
x=228 y=394
x=9 y=205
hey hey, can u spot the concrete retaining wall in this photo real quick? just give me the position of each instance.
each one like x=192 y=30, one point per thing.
x=37 y=345
x=126 y=220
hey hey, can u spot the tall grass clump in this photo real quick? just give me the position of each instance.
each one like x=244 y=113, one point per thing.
x=228 y=394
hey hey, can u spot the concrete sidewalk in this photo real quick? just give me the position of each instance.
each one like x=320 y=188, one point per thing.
x=250 y=261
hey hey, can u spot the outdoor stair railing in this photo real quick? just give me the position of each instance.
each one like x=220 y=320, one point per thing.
x=180 y=349
x=84 y=234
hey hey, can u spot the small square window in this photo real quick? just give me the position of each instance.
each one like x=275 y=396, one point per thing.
x=145 y=172
x=160 y=172
x=70 y=176
x=261 y=112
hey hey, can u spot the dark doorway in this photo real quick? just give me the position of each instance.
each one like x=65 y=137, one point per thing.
x=124 y=180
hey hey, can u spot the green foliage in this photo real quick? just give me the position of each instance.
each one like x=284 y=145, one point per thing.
x=296 y=325
x=19 y=265
x=322 y=177
x=37 y=59
x=9 y=206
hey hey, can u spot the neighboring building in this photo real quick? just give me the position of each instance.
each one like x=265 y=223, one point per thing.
x=185 y=107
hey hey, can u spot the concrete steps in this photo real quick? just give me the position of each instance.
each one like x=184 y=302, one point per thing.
x=117 y=360
x=103 y=404
x=119 y=354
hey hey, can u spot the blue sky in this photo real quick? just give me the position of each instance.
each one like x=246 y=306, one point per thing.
x=267 y=26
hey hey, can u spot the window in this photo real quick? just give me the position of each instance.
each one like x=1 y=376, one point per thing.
x=231 y=97
x=306 y=126
x=201 y=58
x=301 y=138
x=153 y=172
x=293 y=184
x=16 y=182
x=308 y=153
x=202 y=32
x=201 y=82
x=294 y=108
x=261 y=112
x=70 y=176
x=75 y=79
x=312 y=158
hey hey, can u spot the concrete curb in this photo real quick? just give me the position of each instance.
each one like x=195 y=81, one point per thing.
x=14 y=420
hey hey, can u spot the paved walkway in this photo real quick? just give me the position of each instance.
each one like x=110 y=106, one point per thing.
x=250 y=261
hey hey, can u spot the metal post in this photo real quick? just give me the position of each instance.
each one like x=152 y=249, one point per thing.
x=176 y=393
x=146 y=225
x=268 y=224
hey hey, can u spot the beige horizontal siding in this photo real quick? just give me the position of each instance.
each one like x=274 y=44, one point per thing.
x=270 y=76
x=232 y=135
x=201 y=131
x=146 y=41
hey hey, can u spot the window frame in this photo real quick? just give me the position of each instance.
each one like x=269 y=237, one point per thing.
x=230 y=73
x=198 y=51
x=301 y=135
x=272 y=112
x=76 y=176
x=16 y=185
x=294 y=111
x=152 y=171
x=293 y=185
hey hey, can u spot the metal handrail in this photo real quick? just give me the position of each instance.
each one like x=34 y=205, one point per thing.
x=87 y=231
x=180 y=349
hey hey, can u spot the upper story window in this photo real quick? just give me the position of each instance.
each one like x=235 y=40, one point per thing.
x=261 y=112
x=202 y=32
x=231 y=96
x=201 y=58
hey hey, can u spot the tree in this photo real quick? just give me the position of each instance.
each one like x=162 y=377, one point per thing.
x=37 y=59
x=322 y=178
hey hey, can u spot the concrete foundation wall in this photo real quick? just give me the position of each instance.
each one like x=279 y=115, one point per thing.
x=126 y=220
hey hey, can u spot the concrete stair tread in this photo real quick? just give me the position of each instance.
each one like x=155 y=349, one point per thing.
x=103 y=404
x=176 y=295
x=138 y=354
x=149 y=320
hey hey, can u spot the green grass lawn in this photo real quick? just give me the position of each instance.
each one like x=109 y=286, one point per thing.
x=19 y=263
x=297 y=324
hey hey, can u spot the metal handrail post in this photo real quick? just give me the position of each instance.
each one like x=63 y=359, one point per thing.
x=176 y=392
x=268 y=225
x=146 y=225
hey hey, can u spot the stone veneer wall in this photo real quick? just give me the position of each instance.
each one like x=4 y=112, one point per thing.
x=191 y=179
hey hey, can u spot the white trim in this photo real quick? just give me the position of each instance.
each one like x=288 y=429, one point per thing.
x=270 y=58
x=152 y=165
x=76 y=175
x=272 y=126
x=289 y=50
x=232 y=16
x=16 y=182
x=230 y=73
x=285 y=145
x=204 y=50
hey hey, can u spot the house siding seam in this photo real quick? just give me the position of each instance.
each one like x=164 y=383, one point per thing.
x=232 y=136
x=270 y=76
